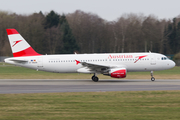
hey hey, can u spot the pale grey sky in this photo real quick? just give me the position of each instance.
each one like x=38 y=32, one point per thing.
x=107 y=9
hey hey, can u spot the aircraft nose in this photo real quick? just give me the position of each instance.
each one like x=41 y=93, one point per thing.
x=172 y=64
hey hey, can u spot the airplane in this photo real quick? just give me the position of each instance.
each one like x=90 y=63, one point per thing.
x=115 y=65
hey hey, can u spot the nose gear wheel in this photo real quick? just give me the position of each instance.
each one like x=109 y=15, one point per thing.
x=152 y=78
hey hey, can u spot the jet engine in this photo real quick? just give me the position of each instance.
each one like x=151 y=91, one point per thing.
x=117 y=73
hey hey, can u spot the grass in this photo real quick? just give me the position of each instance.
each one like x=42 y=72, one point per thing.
x=144 y=105
x=15 y=72
x=133 y=105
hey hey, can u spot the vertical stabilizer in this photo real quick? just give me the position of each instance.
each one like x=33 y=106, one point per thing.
x=19 y=46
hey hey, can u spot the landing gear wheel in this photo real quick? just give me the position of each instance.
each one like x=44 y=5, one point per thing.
x=152 y=79
x=94 y=78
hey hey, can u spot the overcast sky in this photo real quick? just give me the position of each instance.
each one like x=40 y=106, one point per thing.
x=107 y=9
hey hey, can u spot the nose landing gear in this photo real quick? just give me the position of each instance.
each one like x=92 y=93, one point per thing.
x=152 y=78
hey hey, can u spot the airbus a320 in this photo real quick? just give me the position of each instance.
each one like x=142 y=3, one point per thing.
x=115 y=65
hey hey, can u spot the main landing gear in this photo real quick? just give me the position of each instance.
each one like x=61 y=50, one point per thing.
x=152 y=78
x=95 y=78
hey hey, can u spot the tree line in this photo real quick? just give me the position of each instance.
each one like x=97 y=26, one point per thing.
x=83 y=32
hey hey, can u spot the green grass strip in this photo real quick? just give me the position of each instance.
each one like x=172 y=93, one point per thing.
x=143 y=105
x=14 y=72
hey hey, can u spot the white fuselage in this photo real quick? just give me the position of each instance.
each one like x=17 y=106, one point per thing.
x=67 y=63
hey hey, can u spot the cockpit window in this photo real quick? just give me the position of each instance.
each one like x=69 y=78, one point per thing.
x=164 y=58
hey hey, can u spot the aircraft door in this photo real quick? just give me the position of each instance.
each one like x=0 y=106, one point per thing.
x=40 y=63
x=153 y=59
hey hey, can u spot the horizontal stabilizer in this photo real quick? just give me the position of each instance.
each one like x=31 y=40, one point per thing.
x=16 y=60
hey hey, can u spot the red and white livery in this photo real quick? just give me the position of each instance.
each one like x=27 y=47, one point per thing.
x=115 y=65
x=19 y=45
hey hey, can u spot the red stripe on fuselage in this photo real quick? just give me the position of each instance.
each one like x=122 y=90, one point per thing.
x=11 y=31
x=27 y=52
x=140 y=57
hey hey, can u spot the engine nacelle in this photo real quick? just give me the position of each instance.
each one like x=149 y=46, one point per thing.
x=117 y=73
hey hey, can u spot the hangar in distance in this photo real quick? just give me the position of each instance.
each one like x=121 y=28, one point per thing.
x=115 y=65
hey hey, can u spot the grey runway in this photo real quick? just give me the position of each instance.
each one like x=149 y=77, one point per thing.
x=49 y=86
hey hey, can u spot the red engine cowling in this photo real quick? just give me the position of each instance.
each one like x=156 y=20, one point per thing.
x=118 y=72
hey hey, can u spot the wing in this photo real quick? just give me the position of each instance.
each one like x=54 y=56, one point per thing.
x=96 y=68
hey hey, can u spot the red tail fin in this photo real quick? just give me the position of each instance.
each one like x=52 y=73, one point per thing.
x=19 y=45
